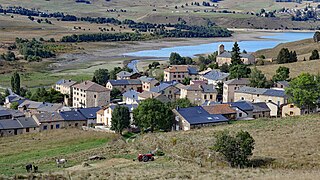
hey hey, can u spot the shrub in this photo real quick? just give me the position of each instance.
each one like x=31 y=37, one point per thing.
x=235 y=149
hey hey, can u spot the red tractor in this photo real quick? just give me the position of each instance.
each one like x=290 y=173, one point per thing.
x=145 y=157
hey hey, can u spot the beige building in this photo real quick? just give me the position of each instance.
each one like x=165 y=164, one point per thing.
x=125 y=85
x=148 y=94
x=198 y=94
x=104 y=115
x=230 y=86
x=251 y=94
x=148 y=83
x=179 y=72
x=65 y=87
x=293 y=110
x=224 y=57
x=171 y=90
x=90 y=94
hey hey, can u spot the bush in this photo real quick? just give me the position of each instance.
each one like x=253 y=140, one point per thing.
x=235 y=149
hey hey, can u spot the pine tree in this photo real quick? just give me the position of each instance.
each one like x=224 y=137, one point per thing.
x=235 y=55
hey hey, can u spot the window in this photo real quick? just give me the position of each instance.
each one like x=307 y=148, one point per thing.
x=291 y=113
x=57 y=126
x=84 y=124
x=242 y=98
x=291 y=106
x=76 y=124
x=179 y=76
x=95 y=96
x=240 y=114
x=51 y=126
x=174 y=76
x=27 y=130
x=254 y=116
x=211 y=96
x=45 y=127
x=205 y=97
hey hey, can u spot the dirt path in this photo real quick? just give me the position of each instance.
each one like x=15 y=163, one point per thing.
x=95 y=165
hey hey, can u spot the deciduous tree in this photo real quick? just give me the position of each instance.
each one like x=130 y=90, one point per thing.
x=120 y=119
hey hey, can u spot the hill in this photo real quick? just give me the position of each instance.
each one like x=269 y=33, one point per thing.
x=285 y=149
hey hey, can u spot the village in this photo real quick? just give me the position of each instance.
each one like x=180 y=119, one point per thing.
x=89 y=105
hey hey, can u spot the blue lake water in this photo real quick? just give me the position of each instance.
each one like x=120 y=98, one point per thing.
x=250 y=45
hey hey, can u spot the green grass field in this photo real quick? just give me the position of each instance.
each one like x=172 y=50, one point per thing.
x=43 y=148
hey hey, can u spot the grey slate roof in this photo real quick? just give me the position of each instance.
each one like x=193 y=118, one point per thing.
x=241 y=81
x=50 y=107
x=192 y=70
x=66 y=83
x=243 y=105
x=125 y=82
x=146 y=79
x=10 y=124
x=197 y=115
x=124 y=74
x=72 y=116
x=89 y=113
x=132 y=94
x=5 y=113
x=210 y=88
x=216 y=75
x=261 y=91
x=27 y=122
x=284 y=83
x=48 y=117
x=260 y=107
x=162 y=86
x=14 y=98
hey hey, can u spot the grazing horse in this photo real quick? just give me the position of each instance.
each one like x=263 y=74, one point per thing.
x=35 y=169
x=29 y=167
x=61 y=162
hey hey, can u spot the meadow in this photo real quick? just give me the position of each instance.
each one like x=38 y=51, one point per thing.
x=285 y=148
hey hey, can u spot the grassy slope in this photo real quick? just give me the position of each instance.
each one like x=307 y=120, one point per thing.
x=303 y=49
x=285 y=149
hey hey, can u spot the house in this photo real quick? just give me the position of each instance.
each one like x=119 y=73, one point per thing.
x=125 y=85
x=127 y=75
x=224 y=57
x=104 y=115
x=224 y=109
x=260 y=109
x=149 y=94
x=148 y=83
x=131 y=97
x=90 y=114
x=9 y=127
x=230 y=86
x=195 y=117
x=32 y=107
x=179 y=72
x=65 y=87
x=292 y=110
x=13 y=98
x=214 y=76
x=281 y=84
x=169 y=89
x=198 y=94
x=49 y=121
x=251 y=94
x=73 y=119
x=243 y=108
x=5 y=114
x=90 y=94
x=198 y=82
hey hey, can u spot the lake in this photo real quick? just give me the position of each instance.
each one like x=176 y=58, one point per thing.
x=269 y=41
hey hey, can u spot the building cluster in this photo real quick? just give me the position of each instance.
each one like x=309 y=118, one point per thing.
x=89 y=104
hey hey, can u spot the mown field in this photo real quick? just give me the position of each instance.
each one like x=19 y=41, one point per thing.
x=285 y=149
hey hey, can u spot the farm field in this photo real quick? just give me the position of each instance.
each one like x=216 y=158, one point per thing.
x=285 y=149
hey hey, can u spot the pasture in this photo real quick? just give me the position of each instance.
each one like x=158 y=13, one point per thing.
x=285 y=148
